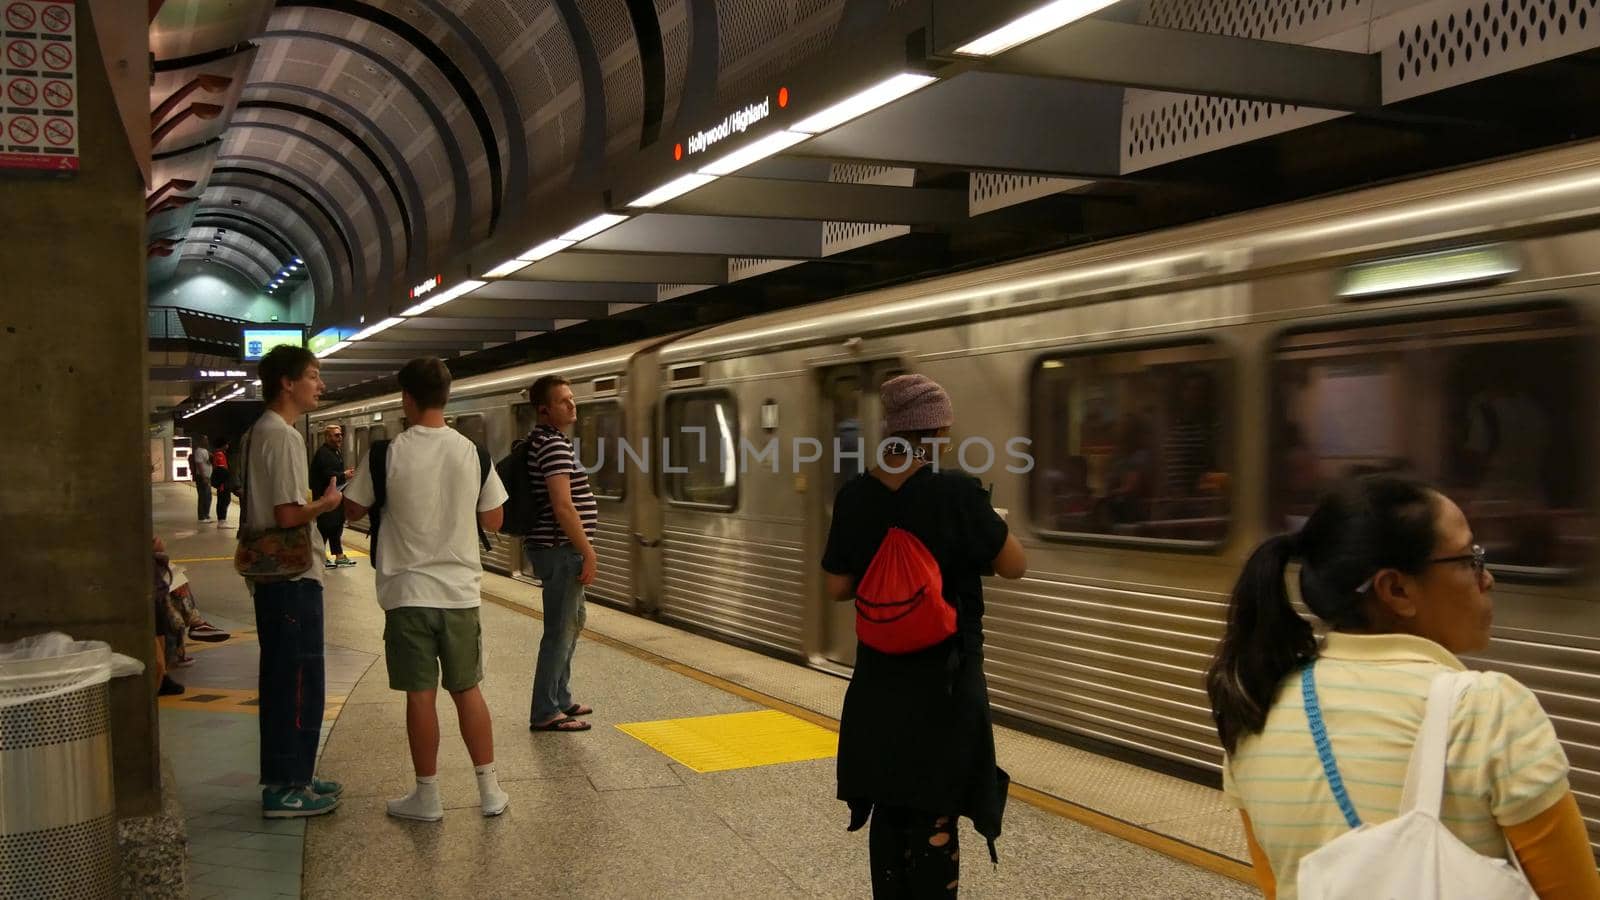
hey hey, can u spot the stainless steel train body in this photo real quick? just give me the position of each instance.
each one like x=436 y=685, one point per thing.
x=1445 y=326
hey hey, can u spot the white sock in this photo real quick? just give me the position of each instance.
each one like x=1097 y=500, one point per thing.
x=422 y=803
x=494 y=800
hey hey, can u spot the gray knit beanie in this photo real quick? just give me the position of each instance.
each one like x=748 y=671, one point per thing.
x=915 y=403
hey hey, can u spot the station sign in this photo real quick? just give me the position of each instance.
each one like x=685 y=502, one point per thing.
x=737 y=121
x=426 y=286
x=39 y=85
x=223 y=373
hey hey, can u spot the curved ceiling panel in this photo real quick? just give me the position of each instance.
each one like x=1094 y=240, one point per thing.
x=675 y=33
x=371 y=82
x=314 y=106
x=330 y=273
x=759 y=39
x=244 y=256
x=622 y=77
x=276 y=243
x=530 y=43
x=190 y=103
x=189 y=28
x=318 y=164
x=288 y=185
x=358 y=162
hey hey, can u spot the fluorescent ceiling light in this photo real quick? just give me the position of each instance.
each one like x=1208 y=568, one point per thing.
x=371 y=330
x=465 y=287
x=335 y=348
x=1038 y=23
x=674 y=189
x=224 y=399
x=593 y=227
x=299 y=260
x=868 y=100
x=548 y=248
x=294 y=268
x=509 y=267
x=770 y=145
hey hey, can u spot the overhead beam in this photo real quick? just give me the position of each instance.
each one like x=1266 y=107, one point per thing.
x=590 y=292
x=438 y=337
x=1193 y=62
x=827 y=201
x=725 y=236
x=459 y=323
x=588 y=265
x=471 y=307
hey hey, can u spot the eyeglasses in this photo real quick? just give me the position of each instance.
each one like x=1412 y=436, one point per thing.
x=1477 y=558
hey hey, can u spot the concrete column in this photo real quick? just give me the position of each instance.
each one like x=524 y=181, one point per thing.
x=75 y=494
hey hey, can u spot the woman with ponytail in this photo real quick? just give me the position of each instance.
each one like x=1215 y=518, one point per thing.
x=1390 y=570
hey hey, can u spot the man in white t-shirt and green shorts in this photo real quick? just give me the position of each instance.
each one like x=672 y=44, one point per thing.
x=438 y=491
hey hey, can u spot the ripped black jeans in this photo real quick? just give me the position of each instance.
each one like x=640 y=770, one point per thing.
x=915 y=855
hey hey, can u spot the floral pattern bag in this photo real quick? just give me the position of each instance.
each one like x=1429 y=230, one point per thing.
x=266 y=555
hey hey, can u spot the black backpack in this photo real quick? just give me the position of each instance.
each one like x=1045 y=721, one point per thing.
x=379 y=460
x=522 y=512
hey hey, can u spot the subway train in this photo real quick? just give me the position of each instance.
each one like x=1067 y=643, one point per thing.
x=1145 y=411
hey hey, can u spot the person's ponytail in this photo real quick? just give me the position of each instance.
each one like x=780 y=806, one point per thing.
x=1265 y=640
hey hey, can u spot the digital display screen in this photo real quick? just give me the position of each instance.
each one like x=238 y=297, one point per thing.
x=258 y=342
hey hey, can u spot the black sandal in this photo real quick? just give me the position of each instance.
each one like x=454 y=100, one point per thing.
x=578 y=709
x=560 y=725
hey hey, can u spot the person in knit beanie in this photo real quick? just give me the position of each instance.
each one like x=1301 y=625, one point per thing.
x=916 y=409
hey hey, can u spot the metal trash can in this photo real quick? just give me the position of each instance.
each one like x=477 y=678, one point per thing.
x=58 y=826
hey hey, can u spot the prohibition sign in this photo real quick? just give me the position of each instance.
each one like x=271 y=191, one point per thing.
x=58 y=94
x=24 y=130
x=21 y=54
x=58 y=132
x=57 y=57
x=22 y=92
x=57 y=19
x=19 y=16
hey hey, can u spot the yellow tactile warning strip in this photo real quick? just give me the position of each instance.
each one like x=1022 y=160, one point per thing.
x=1118 y=828
x=222 y=700
x=736 y=740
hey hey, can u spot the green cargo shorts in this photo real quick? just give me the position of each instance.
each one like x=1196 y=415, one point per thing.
x=418 y=641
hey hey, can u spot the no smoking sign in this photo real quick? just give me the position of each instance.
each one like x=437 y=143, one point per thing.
x=21 y=16
x=39 y=96
x=22 y=92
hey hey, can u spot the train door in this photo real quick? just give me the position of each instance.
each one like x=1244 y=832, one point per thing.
x=849 y=414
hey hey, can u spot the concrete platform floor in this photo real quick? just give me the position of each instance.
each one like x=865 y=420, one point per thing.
x=595 y=814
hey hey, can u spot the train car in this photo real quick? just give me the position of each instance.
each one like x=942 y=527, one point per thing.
x=1145 y=412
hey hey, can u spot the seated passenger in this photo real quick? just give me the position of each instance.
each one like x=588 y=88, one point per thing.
x=916 y=744
x=1393 y=568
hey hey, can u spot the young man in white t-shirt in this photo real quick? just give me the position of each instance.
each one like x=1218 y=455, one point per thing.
x=288 y=613
x=438 y=492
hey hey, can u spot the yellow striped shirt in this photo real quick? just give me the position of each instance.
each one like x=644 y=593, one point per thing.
x=1504 y=765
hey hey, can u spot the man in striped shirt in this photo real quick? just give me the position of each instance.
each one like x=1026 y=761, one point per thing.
x=560 y=548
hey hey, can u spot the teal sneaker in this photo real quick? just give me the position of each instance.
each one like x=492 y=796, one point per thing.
x=294 y=803
x=326 y=788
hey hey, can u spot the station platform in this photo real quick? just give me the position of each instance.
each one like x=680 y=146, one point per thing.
x=655 y=801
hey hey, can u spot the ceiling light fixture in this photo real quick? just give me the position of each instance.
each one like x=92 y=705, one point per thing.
x=509 y=267
x=1036 y=24
x=465 y=287
x=771 y=145
x=371 y=330
x=548 y=248
x=594 y=226
x=332 y=349
x=674 y=189
x=880 y=94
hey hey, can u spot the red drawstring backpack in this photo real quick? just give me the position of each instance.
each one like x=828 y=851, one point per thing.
x=900 y=605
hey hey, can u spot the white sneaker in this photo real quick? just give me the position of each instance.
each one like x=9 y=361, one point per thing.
x=494 y=804
x=421 y=805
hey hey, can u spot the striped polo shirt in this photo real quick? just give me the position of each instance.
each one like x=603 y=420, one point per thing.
x=1504 y=765
x=550 y=453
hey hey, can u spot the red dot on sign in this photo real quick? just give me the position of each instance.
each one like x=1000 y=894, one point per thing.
x=783 y=98
x=677 y=151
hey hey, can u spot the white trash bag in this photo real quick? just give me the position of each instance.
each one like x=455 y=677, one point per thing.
x=44 y=666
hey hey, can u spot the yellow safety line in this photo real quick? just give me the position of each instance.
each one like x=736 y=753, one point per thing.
x=1180 y=850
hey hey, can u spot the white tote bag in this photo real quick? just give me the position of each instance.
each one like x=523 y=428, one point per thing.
x=1413 y=856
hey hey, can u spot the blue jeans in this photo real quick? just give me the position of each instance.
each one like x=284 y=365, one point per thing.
x=558 y=568
x=292 y=680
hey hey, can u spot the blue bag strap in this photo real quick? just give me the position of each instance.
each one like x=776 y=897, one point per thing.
x=1319 y=735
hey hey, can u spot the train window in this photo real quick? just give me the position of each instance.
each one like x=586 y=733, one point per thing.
x=358 y=446
x=474 y=429
x=702 y=436
x=378 y=433
x=1493 y=409
x=598 y=438
x=1132 y=443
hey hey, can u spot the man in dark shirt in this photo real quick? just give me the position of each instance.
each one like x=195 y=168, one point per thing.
x=329 y=463
x=561 y=551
